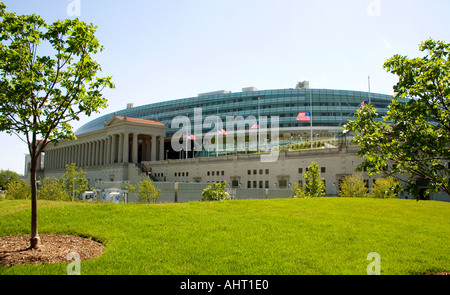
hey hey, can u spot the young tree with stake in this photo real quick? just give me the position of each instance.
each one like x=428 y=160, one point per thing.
x=41 y=94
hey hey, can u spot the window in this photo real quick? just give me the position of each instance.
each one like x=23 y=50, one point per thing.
x=249 y=172
x=212 y=173
x=323 y=170
x=208 y=173
x=260 y=171
x=234 y=183
x=300 y=170
x=254 y=172
x=267 y=184
x=187 y=173
x=223 y=173
x=254 y=184
x=260 y=184
x=267 y=171
x=282 y=183
x=249 y=184
x=175 y=174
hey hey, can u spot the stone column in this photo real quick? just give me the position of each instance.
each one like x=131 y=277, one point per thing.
x=97 y=152
x=153 y=158
x=108 y=150
x=148 y=150
x=135 y=148
x=120 y=154
x=78 y=161
x=101 y=152
x=91 y=154
x=161 y=148
x=88 y=154
x=113 y=149
x=144 y=148
x=83 y=155
x=126 y=147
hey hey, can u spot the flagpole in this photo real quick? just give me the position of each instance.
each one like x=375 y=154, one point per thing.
x=369 y=91
x=186 y=151
x=217 y=134
x=311 y=116
x=259 y=129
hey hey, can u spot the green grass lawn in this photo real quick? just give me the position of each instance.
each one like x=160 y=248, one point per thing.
x=255 y=237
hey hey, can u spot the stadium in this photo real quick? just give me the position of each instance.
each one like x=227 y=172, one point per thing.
x=328 y=111
x=187 y=143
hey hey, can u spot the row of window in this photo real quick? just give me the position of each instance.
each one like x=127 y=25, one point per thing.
x=322 y=170
x=181 y=174
x=215 y=173
x=255 y=171
x=257 y=184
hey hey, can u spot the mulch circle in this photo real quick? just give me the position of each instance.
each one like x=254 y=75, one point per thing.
x=14 y=250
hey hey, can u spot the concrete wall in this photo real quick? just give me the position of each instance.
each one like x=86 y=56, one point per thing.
x=251 y=173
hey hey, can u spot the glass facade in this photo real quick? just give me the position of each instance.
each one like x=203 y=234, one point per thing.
x=331 y=109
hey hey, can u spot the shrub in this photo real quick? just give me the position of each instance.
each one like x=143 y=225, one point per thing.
x=314 y=185
x=6 y=176
x=53 y=189
x=147 y=191
x=298 y=191
x=215 y=192
x=353 y=186
x=386 y=188
x=16 y=190
x=74 y=181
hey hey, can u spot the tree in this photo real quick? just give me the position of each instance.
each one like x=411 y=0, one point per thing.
x=385 y=188
x=6 y=176
x=74 y=181
x=147 y=191
x=414 y=137
x=215 y=192
x=41 y=95
x=17 y=190
x=314 y=185
x=353 y=186
x=52 y=189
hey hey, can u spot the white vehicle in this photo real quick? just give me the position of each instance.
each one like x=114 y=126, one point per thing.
x=88 y=196
x=113 y=196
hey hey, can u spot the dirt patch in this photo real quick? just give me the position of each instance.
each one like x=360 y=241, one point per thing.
x=15 y=250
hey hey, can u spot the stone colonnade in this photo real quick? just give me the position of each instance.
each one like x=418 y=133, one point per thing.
x=118 y=148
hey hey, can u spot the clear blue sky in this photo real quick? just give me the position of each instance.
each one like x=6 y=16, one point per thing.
x=162 y=50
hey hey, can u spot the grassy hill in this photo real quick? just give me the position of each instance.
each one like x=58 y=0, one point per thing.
x=286 y=236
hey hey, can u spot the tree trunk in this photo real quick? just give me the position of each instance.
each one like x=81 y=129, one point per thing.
x=35 y=239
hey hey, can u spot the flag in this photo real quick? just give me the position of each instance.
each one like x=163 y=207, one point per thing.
x=222 y=131
x=303 y=117
x=363 y=104
x=190 y=136
x=255 y=126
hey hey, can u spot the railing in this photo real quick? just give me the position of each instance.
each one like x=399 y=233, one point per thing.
x=147 y=171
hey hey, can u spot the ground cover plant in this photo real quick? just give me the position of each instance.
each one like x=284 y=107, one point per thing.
x=274 y=236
